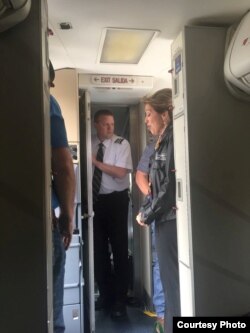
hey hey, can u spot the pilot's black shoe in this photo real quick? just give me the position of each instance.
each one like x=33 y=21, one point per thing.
x=118 y=310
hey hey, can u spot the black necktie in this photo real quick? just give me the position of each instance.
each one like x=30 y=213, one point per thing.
x=97 y=176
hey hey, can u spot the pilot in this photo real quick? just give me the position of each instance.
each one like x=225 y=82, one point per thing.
x=112 y=164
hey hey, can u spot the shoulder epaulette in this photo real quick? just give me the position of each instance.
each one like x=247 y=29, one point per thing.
x=119 y=140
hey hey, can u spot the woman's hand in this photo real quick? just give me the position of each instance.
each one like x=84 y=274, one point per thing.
x=139 y=221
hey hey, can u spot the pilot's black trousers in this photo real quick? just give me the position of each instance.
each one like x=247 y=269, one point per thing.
x=111 y=242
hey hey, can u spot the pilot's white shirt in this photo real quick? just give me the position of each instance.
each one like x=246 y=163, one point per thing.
x=116 y=152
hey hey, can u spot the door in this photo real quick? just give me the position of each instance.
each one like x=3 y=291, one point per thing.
x=87 y=211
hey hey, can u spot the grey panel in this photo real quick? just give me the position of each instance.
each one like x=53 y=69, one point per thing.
x=25 y=178
x=72 y=272
x=71 y=295
x=218 y=180
x=72 y=265
x=72 y=318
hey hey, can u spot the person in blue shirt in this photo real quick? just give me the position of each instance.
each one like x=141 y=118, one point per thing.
x=63 y=193
x=142 y=182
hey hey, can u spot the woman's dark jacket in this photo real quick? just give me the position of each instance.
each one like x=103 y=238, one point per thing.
x=161 y=205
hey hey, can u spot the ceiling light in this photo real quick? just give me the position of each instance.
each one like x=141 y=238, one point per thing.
x=124 y=46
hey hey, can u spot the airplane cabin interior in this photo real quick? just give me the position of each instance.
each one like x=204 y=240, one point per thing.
x=109 y=55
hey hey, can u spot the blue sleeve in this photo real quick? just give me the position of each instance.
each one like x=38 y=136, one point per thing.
x=58 y=133
x=143 y=164
x=57 y=126
x=58 y=138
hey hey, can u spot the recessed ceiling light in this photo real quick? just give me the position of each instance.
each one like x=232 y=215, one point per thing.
x=124 y=46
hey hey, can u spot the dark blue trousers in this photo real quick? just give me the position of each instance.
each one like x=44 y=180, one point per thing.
x=59 y=257
x=111 y=235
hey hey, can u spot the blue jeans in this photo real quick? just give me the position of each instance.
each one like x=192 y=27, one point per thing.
x=158 y=296
x=58 y=281
x=167 y=251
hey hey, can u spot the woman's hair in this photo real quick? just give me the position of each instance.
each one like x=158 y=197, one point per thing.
x=161 y=101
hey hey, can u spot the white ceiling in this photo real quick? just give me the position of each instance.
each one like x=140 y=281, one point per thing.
x=78 y=48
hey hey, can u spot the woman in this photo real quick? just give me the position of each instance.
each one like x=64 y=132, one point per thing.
x=159 y=205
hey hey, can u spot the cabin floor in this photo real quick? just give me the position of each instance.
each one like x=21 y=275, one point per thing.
x=135 y=322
